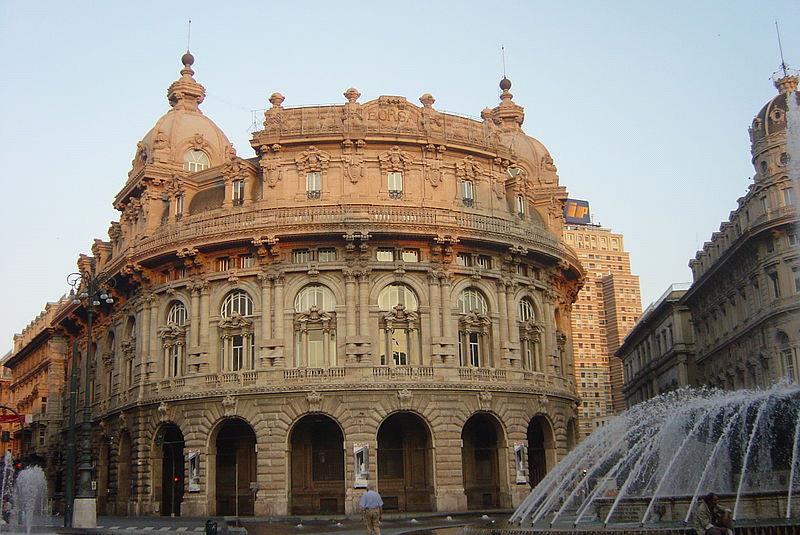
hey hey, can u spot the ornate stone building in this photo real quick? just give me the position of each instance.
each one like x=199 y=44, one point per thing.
x=745 y=299
x=658 y=355
x=607 y=307
x=380 y=294
x=36 y=387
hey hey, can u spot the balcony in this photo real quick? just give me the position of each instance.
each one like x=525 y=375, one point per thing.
x=212 y=225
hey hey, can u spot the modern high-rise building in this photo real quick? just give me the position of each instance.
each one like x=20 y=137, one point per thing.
x=606 y=309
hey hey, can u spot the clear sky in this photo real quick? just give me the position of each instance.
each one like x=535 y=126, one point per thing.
x=644 y=105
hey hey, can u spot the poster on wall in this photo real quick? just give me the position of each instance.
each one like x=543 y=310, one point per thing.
x=520 y=464
x=194 y=471
x=361 y=466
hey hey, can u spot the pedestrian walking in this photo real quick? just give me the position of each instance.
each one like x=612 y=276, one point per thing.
x=371 y=506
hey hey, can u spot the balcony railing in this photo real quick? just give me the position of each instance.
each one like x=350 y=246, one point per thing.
x=208 y=224
x=403 y=372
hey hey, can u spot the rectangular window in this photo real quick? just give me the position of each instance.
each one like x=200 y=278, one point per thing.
x=776 y=287
x=764 y=205
x=395 y=183
x=796 y=273
x=223 y=264
x=788 y=196
x=410 y=255
x=468 y=192
x=522 y=270
x=238 y=191
x=792 y=239
x=237 y=352
x=520 y=205
x=464 y=259
x=770 y=244
x=179 y=205
x=246 y=261
x=313 y=185
x=327 y=254
x=180 y=273
x=474 y=349
x=385 y=255
x=484 y=261
x=301 y=256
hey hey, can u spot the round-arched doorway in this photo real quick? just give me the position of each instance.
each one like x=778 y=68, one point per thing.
x=405 y=468
x=168 y=466
x=481 y=462
x=540 y=446
x=235 y=463
x=316 y=457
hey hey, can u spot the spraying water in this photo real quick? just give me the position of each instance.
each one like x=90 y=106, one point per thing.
x=31 y=495
x=653 y=462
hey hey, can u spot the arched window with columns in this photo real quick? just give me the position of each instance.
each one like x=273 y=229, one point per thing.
x=237 y=340
x=399 y=324
x=315 y=327
x=173 y=340
x=530 y=336
x=474 y=329
x=787 y=356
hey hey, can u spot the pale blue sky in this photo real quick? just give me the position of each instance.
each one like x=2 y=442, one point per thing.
x=644 y=105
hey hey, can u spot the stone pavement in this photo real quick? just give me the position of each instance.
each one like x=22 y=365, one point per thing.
x=392 y=524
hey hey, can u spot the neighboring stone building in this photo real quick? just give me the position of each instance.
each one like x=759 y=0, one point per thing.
x=606 y=309
x=36 y=367
x=658 y=354
x=381 y=293
x=745 y=299
x=7 y=428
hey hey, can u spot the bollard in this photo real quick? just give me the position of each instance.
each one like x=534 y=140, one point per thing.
x=211 y=527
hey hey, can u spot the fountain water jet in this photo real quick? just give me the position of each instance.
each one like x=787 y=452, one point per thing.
x=651 y=463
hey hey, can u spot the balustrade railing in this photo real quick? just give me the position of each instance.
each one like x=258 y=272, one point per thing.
x=403 y=372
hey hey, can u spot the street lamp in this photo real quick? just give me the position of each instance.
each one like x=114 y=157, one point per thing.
x=92 y=291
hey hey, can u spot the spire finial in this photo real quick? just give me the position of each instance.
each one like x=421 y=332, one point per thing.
x=189 y=36
x=785 y=79
x=780 y=48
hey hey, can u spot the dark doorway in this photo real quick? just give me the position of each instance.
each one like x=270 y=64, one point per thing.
x=317 y=466
x=540 y=442
x=480 y=462
x=170 y=441
x=103 y=476
x=405 y=472
x=124 y=479
x=236 y=468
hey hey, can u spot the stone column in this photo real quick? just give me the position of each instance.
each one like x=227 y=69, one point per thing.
x=502 y=308
x=350 y=302
x=205 y=311
x=513 y=331
x=266 y=311
x=155 y=351
x=194 y=340
x=278 y=319
x=144 y=343
x=436 y=305
x=363 y=304
x=448 y=336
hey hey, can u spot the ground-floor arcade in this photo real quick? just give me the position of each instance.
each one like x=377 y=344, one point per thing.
x=314 y=451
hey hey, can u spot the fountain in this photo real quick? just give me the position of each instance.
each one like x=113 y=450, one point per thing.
x=650 y=465
x=30 y=496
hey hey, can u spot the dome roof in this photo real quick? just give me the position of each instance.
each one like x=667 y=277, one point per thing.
x=184 y=127
x=772 y=117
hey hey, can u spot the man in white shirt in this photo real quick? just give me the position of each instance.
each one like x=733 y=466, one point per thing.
x=371 y=506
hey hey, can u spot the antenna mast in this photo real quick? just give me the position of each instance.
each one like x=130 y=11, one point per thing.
x=780 y=47
x=503 y=54
x=189 y=35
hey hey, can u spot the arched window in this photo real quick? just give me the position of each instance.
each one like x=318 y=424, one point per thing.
x=108 y=362
x=315 y=327
x=237 y=340
x=173 y=340
x=787 y=356
x=474 y=329
x=400 y=325
x=237 y=302
x=195 y=160
x=177 y=314
x=530 y=336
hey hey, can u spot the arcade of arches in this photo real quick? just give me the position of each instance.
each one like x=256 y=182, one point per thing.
x=277 y=462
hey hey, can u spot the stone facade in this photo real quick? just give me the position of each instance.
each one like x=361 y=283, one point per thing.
x=36 y=387
x=744 y=299
x=380 y=294
x=606 y=309
x=658 y=355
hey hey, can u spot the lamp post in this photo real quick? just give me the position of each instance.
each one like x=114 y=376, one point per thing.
x=90 y=290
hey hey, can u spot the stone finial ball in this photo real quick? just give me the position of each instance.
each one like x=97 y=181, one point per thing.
x=505 y=84
x=187 y=59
